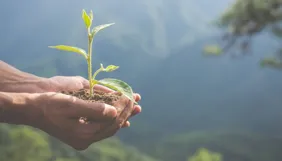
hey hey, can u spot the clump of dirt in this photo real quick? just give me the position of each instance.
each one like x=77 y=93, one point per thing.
x=98 y=96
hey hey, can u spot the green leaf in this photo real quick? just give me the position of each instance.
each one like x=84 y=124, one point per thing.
x=111 y=68
x=86 y=19
x=91 y=15
x=96 y=29
x=70 y=49
x=118 y=85
x=212 y=50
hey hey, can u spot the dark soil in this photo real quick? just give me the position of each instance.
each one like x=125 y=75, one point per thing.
x=98 y=96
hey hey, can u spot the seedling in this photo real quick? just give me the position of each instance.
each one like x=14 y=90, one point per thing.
x=114 y=84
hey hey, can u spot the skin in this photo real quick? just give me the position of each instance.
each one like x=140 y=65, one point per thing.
x=26 y=99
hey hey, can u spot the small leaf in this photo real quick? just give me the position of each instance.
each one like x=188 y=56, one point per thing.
x=118 y=85
x=86 y=19
x=212 y=50
x=96 y=29
x=101 y=66
x=91 y=15
x=70 y=49
x=111 y=68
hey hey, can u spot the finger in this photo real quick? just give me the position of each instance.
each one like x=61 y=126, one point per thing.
x=116 y=125
x=102 y=88
x=126 y=124
x=137 y=110
x=124 y=115
x=84 y=82
x=67 y=83
x=91 y=110
x=96 y=86
x=137 y=97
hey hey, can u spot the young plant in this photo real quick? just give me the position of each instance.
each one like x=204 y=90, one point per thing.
x=114 y=84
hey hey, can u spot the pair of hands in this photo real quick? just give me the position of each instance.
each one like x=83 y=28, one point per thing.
x=60 y=113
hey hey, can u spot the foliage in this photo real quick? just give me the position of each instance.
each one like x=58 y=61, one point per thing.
x=22 y=143
x=113 y=149
x=246 y=18
x=25 y=144
x=232 y=145
x=114 y=84
x=203 y=154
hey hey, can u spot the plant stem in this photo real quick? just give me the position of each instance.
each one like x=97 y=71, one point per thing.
x=97 y=72
x=89 y=61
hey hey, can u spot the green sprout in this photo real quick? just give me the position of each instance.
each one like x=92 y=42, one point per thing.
x=111 y=83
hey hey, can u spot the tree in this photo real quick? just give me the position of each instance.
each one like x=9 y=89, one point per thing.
x=243 y=20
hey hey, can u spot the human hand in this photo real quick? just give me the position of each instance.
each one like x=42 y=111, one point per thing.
x=61 y=113
x=18 y=89
x=57 y=84
x=64 y=83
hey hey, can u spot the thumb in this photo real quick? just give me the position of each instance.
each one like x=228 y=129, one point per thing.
x=84 y=82
x=93 y=111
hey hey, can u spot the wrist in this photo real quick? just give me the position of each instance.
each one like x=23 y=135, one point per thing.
x=14 y=80
x=32 y=85
x=19 y=109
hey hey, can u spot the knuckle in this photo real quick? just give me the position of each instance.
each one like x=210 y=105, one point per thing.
x=82 y=81
x=80 y=78
x=101 y=108
x=71 y=101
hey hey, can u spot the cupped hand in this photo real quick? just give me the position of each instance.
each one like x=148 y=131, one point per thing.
x=61 y=83
x=62 y=113
x=64 y=83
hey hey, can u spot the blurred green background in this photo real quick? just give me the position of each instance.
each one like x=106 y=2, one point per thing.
x=208 y=73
